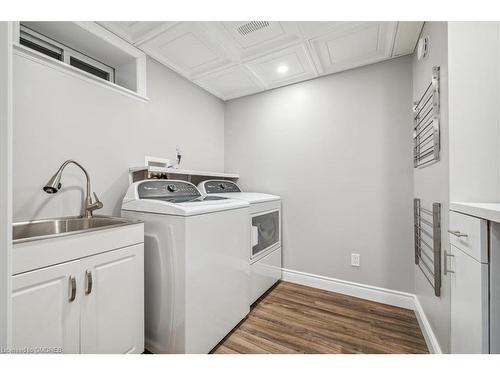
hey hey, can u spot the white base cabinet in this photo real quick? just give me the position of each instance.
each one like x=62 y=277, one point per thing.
x=469 y=277
x=91 y=305
x=43 y=319
x=469 y=304
x=112 y=319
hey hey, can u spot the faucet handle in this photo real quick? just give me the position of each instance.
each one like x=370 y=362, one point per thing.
x=92 y=204
x=97 y=203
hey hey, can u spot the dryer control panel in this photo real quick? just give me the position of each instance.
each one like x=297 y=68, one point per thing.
x=220 y=186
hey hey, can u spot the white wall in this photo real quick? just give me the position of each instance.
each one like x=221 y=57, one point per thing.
x=431 y=182
x=58 y=116
x=5 y=180
x=338 y=151
x=474 y=74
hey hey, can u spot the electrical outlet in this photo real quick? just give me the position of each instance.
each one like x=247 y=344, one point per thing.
x=355 y=260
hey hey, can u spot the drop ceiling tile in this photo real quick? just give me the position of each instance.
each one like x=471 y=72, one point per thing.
x=295 y=59
x=136 y=31
x=188 y=49
x=367 y=43
x=313 y=29
x=230 y=83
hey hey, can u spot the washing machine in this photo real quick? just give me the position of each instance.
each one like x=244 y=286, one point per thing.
x=196 y=264
x=264 y=250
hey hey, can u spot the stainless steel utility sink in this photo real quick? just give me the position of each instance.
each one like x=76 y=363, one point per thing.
x=48 y=228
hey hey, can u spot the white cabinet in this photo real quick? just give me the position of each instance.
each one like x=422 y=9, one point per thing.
x=468 y=267
x=469 y=304
x=91 y=305
x=112 y=319
x=42 y=315
x=469 y=234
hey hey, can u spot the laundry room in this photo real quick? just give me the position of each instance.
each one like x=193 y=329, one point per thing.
x=218 y=186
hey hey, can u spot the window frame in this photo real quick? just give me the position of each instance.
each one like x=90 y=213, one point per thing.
x=41 y=41
x=67 y=52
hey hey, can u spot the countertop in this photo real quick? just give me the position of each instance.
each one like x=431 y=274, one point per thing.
x=488 y=211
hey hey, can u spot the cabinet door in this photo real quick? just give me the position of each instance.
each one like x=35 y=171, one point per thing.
x=45 y=312
x=113 y=306
x=469 y=304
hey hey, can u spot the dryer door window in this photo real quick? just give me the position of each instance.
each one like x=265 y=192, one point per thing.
x=265 y=231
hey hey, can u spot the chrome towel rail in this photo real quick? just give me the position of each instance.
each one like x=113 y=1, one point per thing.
x=427 y=225
x=426 y=143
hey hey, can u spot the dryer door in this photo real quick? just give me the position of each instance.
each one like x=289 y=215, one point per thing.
x=266 y=231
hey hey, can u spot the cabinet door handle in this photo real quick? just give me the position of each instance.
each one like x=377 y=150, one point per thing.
x=446 y=255
x=458 y=234
x=88 y=282
x=72 y=288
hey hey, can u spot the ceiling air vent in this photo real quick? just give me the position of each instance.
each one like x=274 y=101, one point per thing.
x=251 y=27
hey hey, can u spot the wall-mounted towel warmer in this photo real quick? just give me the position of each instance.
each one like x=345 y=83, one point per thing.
x=428 y=242
x=426 y=143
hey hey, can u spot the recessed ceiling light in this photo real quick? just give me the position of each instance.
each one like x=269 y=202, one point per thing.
x=282 y=69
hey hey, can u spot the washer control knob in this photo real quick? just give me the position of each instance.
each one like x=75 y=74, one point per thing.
x=172 y=188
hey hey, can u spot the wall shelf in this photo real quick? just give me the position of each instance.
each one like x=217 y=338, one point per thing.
x=191 y=175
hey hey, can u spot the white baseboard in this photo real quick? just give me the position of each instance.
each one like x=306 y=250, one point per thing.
x=371 y=293
x=429 y=336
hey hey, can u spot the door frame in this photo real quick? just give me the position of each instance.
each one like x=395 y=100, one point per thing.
x=6 y=110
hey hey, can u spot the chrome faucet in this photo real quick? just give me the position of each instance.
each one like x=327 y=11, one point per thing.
x=54 y=185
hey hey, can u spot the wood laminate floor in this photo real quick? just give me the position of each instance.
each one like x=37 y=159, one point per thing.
x=293 y=318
